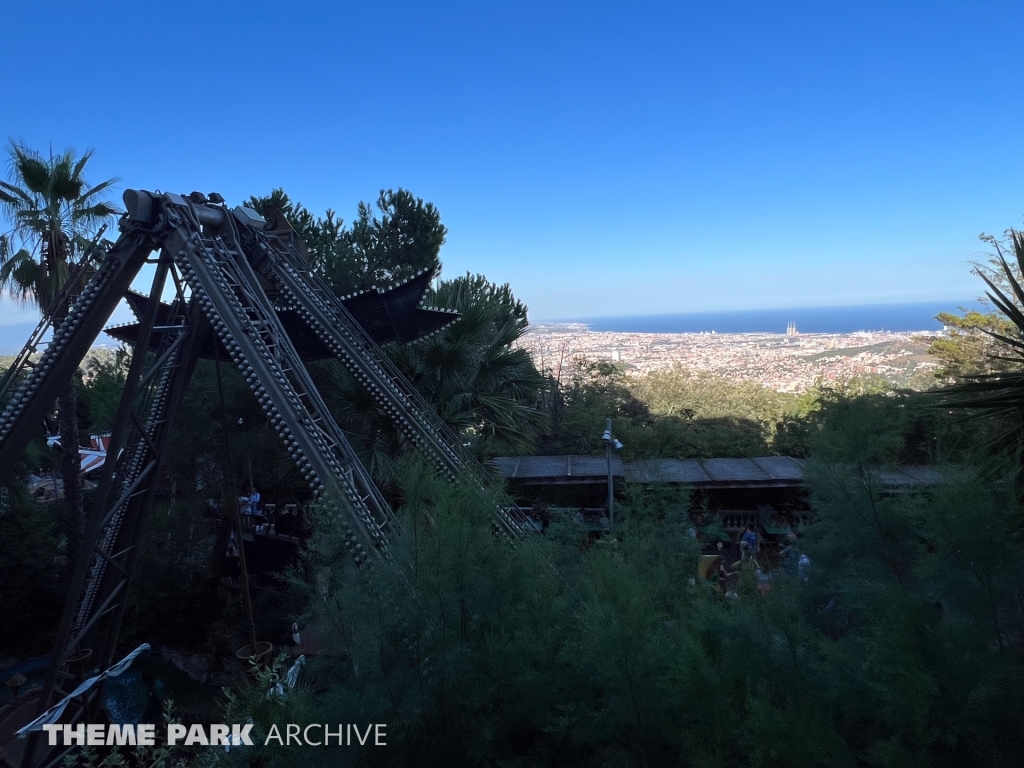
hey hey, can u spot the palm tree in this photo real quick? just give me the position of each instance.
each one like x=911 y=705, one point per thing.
x=53 y=212
x=1001 y=394
x=480 y=383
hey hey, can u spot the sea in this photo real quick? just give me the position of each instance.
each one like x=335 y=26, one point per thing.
x=845 y=319
x=918 y=316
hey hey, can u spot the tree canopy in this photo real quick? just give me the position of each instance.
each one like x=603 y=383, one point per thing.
x=472 y=373
x=54 y=214
x=399 y=239
x=891 y=634
x=52 y=211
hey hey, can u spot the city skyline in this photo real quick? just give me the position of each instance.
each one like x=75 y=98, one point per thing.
x=791 y=362
x=784 y=316
x=17 y=325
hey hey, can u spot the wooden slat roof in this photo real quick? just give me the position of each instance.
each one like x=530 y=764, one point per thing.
x=781 y=467
x=734 y=470
x=535 y=467
x=666 y=471
x=762 y=471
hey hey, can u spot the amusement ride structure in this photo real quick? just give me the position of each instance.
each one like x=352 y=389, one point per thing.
x=242 y=290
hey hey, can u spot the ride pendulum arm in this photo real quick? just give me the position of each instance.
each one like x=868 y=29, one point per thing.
x=280 y=261
x=229 y=299
x=155 y=389
x=200 y=250
x=153 y=392
x=44 y=380
x=23 y=360
x=317 y=305
x=204 y=243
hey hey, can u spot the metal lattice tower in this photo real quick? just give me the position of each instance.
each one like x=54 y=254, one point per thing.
x=246 y=290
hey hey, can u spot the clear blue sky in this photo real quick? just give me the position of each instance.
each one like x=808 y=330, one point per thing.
x=603 y=158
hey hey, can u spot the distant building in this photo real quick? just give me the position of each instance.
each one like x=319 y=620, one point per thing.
x=725 y=483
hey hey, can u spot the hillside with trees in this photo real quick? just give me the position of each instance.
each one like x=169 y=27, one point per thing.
x=901 y=642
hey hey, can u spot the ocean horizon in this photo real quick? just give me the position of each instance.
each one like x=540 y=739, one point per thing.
x=905 y=317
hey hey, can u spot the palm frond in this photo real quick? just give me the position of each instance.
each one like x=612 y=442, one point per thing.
x=87 y=196
x=29 y=168
x=95 y=213
x=79 y=167
x=996 y=395
x=22 y=277
x=14 y=196
x=48 y=210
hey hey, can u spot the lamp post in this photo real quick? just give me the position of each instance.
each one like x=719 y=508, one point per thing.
x=610 y=444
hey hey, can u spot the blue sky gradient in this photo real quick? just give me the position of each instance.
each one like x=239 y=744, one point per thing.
x=603 y=158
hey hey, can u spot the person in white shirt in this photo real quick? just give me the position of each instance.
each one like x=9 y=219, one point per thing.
x=803 y=565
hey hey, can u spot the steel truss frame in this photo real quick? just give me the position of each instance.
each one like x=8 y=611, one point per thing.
x=230 y=278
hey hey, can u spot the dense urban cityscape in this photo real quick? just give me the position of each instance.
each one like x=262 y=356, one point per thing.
x=791 y=362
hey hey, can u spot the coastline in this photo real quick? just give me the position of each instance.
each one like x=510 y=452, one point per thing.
x=910 y=317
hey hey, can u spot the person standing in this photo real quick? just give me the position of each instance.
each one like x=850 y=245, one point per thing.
x=254 y=501
x=751 y=539
x=803 y=567
x=747 y=568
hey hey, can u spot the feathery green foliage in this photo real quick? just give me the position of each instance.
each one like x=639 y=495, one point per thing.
x=53 y=214
x=401 y=239
x=902 y=646
x=472 y=372
x=1000 y=395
